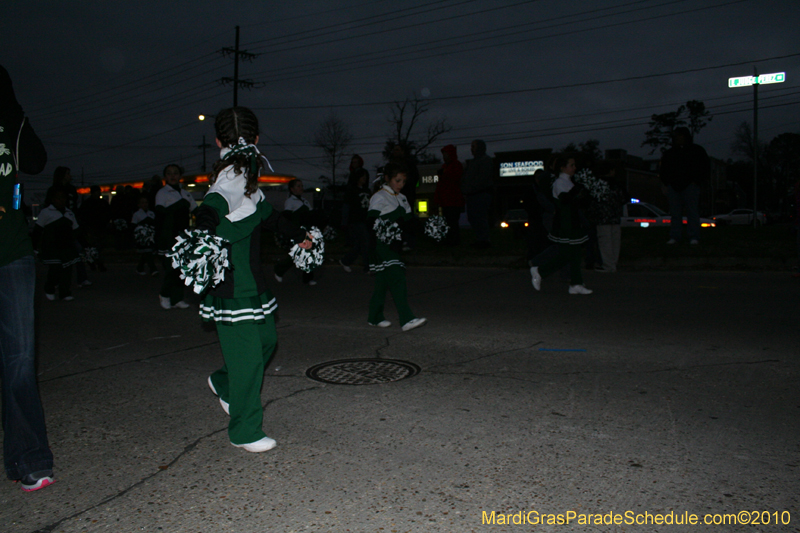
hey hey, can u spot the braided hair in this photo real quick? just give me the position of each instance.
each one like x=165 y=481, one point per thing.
x=231 y=125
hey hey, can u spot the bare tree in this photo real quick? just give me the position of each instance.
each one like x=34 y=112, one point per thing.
x=334 y=137
x=405 y=118
x=692 y=115
x=742 y=144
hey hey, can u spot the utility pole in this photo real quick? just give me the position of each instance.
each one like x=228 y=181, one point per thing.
x=203 y=148
x=755 y=149
x=755 y=81
x=236 y=53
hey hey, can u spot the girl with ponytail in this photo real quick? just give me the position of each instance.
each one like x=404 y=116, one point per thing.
x=242 y=306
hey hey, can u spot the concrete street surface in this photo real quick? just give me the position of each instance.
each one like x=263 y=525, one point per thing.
x=661 y=395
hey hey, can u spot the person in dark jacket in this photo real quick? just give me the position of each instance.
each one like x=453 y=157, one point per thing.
x=477 y=186
x=448 y=194
x=27 y=455
x=355 y=219
x=685 y=168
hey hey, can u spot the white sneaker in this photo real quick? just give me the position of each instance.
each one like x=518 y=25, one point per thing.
x=536 y=278
x=579 y=289
x=68 y=298
x=84 y=283
x=345 y=267
x=181 y=305
x=312 y=282
x=164 y=302
x=672 y=241
x=141 y=272
x=225 y=405
x=50 y=297
x=694 y=241
x=279 y=278
x=414 y=323
x=258 y=446
x=381 y=324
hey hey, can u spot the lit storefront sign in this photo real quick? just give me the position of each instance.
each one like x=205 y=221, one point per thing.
x=519 y=168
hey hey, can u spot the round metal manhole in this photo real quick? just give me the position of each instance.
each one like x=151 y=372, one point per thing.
x=362 y=371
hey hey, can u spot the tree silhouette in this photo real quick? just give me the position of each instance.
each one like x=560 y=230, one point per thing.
x=334 y=137
x=693 y=115
x=405 y=118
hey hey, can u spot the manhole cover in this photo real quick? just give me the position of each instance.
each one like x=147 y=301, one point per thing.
x=362 y=371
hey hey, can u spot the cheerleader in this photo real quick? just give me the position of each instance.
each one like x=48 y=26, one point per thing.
x=172 y=209
x=144 y=227
x=242 y=306
x=55 y=235
x=392 y=207
x=299 y=212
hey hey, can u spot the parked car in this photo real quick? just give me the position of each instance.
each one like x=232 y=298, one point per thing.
x=741 y=216
x=644 y=215
x=516 y=219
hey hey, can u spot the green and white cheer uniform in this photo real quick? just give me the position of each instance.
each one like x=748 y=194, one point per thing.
x=242 y=305
x=385 y=260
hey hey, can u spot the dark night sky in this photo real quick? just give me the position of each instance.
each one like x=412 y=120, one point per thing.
x=114 y=89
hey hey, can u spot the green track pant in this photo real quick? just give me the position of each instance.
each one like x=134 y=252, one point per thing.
x=392 y=279
x=247 y=349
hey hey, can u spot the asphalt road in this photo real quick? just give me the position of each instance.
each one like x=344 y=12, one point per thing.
x=667 y=392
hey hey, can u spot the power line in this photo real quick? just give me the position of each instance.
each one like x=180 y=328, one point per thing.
x=436 y=43
x=396 y=60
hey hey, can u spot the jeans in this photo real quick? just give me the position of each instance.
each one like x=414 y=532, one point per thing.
x=478 y=206
x=25 y=447
x=686 y=200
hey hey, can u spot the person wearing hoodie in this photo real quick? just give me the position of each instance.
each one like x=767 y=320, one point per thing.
x=448 y=194
x=685 y=168
x=477 y=188
x=26 y=450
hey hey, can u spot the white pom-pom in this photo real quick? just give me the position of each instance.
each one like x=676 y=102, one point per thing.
x=308 y=260
x=436 y=228
x=597 y=188
x=387 y=231
x=144 y=235
x=90 y=254
x=329 y=234
x=201 y=259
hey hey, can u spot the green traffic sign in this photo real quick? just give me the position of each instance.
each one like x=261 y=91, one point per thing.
x=764 y=79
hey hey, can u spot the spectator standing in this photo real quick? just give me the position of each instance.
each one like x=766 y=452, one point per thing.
x=448 y=194
x=355 y=213
x=477 y=188
x=540 y=209
x=26 y=450
x=685 y=169
x=607 y=213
